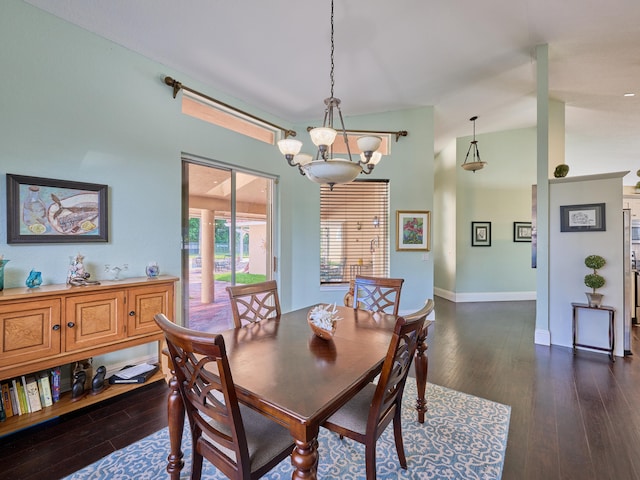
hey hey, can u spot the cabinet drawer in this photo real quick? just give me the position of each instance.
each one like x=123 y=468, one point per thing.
x=29 y=331
x=94 y=319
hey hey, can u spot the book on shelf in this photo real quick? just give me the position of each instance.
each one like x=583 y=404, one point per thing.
x=6 y=399
x=45 y=389
x=15 y=397
x=22 y=396
x=55 y=384
x=26 y=405
x=33 y=394
x=140 y=378
x=3 y=414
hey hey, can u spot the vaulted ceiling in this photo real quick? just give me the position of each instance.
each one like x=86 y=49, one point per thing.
x=464 y=57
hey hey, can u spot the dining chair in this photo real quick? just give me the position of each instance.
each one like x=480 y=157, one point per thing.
x=238 y=441
x=376 y=294
x=369 y=412
x=254 y=302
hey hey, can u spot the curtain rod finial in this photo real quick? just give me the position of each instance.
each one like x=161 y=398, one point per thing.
x=173 y=83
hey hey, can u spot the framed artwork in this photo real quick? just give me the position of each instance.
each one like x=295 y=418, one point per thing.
x=583 y=218
x=522 y=231
x=44 y=210
x=480 y=234
x=414 y=230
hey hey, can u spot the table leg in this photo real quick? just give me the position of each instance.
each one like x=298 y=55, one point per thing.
x=175 y=410
x=422 y=366
x=304 y=459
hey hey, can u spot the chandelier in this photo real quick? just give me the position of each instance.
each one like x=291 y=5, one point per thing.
x=325 y=168
x=476 y=164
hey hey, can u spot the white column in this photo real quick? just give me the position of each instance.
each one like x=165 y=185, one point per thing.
x=207 y=247
x=542 y=332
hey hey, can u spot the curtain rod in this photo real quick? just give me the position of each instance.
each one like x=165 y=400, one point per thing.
x=177 y=86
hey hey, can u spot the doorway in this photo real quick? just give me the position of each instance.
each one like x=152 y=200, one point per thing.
x=227 y=239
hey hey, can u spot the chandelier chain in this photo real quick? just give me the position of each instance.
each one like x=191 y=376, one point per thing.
x=332 y=48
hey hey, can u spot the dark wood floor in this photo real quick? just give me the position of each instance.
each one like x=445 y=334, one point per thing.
x=571 y=417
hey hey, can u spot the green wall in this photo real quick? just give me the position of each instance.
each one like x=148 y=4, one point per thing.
x=501 y=194
x=76 y=106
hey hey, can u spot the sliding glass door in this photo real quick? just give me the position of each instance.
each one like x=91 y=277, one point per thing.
x=227 y=239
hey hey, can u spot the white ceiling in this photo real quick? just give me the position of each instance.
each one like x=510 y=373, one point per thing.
x=465 y=57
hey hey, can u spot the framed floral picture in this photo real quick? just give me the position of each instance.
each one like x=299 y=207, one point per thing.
x=413 y=230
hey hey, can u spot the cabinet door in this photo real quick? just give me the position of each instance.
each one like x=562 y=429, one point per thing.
x=145 y=302
x=94 y=319
x=29 y=331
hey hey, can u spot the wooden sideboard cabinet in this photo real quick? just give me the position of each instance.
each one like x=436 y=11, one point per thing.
x=54 y=325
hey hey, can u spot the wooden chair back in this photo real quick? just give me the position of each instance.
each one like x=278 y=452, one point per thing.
x=388 y=397
x=201 y=367
x=376 y=294
x=365 y=417
x=254 y=302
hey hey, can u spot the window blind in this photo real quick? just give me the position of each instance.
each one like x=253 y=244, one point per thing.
x=354 y=230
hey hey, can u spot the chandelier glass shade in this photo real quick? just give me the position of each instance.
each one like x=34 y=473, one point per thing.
x=326 y=168
x=476 y=163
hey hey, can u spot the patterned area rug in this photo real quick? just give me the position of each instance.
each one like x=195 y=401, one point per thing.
x=463 y=437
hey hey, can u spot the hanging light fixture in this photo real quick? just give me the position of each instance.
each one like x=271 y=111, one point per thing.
x=325 y=168
x=476 y=164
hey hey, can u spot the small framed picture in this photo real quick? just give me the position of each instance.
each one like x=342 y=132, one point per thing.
x=44 y=210
x=583 y=218
x=414 y=230
x=522 y=231
x=480 y=234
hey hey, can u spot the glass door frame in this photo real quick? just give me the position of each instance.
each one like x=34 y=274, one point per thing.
x=272 y=239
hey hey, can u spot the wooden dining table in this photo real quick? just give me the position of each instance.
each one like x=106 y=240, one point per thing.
x=281 y=369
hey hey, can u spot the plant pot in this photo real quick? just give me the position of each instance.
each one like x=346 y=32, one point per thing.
x=595 y=299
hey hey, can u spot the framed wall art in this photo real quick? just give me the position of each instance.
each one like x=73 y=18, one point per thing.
x=44 y=210
x=414 y=230
x=522 y=231
x=583 y=218
x=480 y=234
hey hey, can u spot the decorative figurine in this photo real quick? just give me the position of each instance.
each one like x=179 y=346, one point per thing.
x=34 y=279
x=77 y=274
x=77 y=390
x=97 y=384
x=85 y=366
x=152 y=270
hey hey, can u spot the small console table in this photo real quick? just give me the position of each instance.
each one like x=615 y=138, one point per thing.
x=611 y=311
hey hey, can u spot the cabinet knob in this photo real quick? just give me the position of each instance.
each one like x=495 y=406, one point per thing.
x=56 y=327
x=71 y=324
x=132 y=313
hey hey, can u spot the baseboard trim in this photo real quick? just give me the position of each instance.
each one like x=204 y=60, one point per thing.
x=484 y=296
x=542 y=337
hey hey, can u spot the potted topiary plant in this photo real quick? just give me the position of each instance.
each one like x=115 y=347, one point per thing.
x=594 y=280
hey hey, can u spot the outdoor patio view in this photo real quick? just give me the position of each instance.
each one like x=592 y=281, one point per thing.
x=212 y=264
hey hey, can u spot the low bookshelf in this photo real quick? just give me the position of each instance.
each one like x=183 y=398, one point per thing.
x=67 y=405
